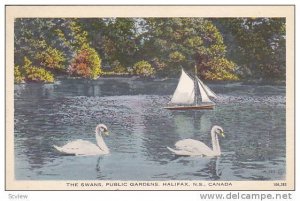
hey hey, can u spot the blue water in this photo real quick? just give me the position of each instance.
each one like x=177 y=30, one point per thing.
x=252 y=116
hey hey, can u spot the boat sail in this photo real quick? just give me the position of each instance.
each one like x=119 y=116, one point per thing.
x=185 y=91
x=185 y=96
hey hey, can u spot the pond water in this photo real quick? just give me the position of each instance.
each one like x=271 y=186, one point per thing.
x=252 y=116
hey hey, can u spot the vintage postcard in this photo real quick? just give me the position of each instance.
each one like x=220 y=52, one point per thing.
x=150 y=98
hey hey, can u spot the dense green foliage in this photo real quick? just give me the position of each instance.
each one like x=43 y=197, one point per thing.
x=51 y=58
x=118 y=68
x=36 y=74
x=86 y=63
x=187 y=42
x=257 y=45
x=143 y=68
x=18 y=77
x=220 y=48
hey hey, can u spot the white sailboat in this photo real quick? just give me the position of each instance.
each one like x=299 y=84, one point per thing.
x=186 y=97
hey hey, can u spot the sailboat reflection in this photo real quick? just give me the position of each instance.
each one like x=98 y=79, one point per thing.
x=188 y=124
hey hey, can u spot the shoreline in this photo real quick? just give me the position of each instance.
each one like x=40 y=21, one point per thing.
x=158 y=79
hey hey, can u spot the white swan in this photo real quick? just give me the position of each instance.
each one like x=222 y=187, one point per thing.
x=190 y=147
x=82 y=147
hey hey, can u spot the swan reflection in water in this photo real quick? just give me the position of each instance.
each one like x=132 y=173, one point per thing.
x=98 y=167
x=209 y=167
x=212 y=169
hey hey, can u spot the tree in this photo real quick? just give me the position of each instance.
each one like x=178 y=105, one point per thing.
x=174 y=42
x=36 y=74
x=121 y=40
x=49 y=44
x=18 y=76
x=143 y=68
x=86 y=63
x=51 y=58
x=113 y=38
x=257 y=45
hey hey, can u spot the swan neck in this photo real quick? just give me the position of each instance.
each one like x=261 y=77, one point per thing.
x=100 y=142
x=215 y=143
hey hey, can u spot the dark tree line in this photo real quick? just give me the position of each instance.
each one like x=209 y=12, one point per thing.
x=220 y=48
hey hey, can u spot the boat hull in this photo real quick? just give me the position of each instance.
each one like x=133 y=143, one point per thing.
x=194 y=107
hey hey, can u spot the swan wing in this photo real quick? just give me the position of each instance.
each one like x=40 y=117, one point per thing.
x=194 y=147
x=180 y=152
x=79 y=147
x=78 y=144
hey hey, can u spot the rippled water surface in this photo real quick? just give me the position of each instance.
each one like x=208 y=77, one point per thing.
x=253 y=118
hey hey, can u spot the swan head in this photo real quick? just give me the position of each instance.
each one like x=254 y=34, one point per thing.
x=218 y=130
x=101 y=128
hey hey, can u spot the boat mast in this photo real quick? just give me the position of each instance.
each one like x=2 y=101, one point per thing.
x=195 y=85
